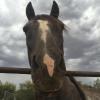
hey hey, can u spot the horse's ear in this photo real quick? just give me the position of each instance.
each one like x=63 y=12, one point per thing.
x=55 y=10
x=30 y=11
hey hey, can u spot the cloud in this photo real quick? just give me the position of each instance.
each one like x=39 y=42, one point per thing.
x=76 y=47
x=13 y=48
x=72 y=9
x=15 y=78
x=11 y=12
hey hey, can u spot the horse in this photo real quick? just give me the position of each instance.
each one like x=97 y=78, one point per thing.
x=44 y=40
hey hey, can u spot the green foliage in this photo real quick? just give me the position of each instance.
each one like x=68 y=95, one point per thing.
x=26 y=91
x=6 y=87
x=97 y=83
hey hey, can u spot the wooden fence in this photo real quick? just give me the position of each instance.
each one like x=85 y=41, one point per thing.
x=67 y=73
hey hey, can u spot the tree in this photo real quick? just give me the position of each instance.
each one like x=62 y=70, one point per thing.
x=6 y=87
x=26 y=91
x=97 y=83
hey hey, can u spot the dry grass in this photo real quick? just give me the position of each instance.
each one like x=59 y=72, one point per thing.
x=91 y=93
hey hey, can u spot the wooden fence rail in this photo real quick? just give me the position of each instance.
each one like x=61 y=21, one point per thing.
x=68 y=73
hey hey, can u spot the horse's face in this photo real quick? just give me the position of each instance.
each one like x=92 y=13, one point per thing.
x=44 y=40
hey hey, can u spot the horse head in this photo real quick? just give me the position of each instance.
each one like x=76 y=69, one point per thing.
x=44 y=39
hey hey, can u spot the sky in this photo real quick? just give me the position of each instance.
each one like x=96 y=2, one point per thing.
x=81 y=43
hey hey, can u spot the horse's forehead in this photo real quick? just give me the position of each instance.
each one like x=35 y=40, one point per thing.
x=43 y=26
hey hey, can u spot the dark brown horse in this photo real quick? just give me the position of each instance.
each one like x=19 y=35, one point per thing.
x=44 y=39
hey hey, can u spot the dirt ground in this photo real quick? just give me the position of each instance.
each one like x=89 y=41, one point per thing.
x=92 y=95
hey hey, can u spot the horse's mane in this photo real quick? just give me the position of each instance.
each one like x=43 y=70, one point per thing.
x=66 y=28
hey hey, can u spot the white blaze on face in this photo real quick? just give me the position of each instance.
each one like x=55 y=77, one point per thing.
x=43 y=26
x=47 y=60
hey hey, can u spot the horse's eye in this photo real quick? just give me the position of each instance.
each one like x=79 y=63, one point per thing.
x=25 y=28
